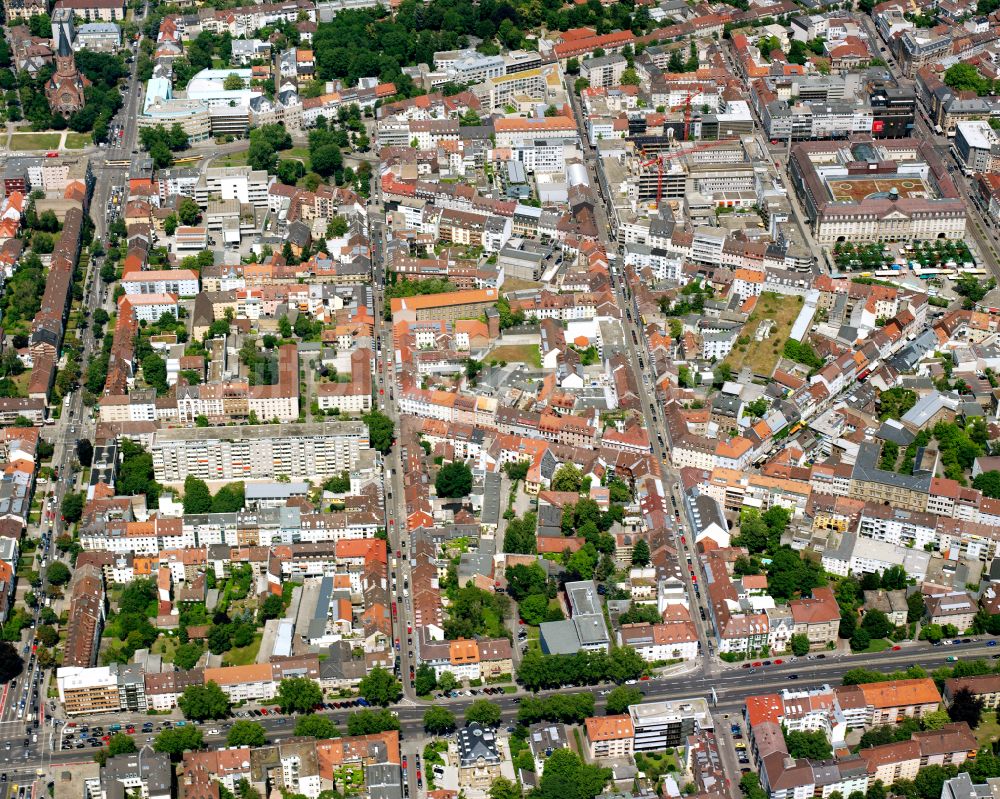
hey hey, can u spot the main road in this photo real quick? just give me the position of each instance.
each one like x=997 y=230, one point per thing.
x=731 y=687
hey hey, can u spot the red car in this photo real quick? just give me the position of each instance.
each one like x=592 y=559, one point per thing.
x=896 y=648
x=404 y=761
x=756 y=664
x=264 y=710
x=683 y=540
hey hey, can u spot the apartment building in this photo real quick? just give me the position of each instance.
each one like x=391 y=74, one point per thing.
x=872 y=704
x=658 y=725
x=676 y=640
x=88 y=690
x=178 y=282
x=95 y=10
x=955 y=608
x=985 y=687
x=610 y=737
x=448 y=307
x=258 y=452
x=233 y=183
x=86 y=618
x=605 y=71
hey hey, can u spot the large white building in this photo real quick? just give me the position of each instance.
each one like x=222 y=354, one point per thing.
x=258 y=452
x=977 y=146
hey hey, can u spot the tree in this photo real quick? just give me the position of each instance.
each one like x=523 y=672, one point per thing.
x=800 y=644
x=178 y=740
x=965 y=77
x=861 y=640
x=519 y=537
x=187 y=655
x=621 y=698
x=567 y=478
x=640 y=553
x=316 y=726
x=502 y=788
x=370 y=722
x=47 y=635
x=246 y=733
x=523 y=581
x=380 y=688
x=630 y=78
x=914 y=607
x=425 y=680
x=200 y=702
x=188 y=212
x=484 y=711
x=566 y=776
x=84 y=449
x=380 y=431
x=57 y=573
x=876 y=624
x=966 y=706
x=813 y=745
x=453 y=480
x=271 y=608
x=932 y=633
x=447 y=681
x=170 y=224
x=233 y=82
x=197 y=497
x=533 y=609
x=439 y=720
x=298 y=695
x=230 y=498
x=988 y=483
x=72 y=506
x=121 y=744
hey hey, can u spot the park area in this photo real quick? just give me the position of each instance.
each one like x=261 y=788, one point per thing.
x=762 y=354
x=34 y=141
x=851 y=257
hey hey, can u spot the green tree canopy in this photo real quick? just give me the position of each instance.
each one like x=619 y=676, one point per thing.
x=484 y=711
x=200 y=702
x=380 y=688
x=246 y=733
x=439 y=720
x=316 y=726
x=298 y=695
x=453 y=480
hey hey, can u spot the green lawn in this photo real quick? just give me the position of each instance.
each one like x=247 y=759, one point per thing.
x=245 y=655
x=232 y=159
x=878 y=645
x=988 y=729
x=298 y=153
x=34 y=141
x=77 y=141
x=517 y=353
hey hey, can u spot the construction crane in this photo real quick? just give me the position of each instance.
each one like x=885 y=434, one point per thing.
x=687 y=114
x=663 y=157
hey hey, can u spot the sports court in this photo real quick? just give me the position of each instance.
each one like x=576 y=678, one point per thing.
x=857 y=189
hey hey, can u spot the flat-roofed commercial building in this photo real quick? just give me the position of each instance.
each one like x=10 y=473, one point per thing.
x=661 y=724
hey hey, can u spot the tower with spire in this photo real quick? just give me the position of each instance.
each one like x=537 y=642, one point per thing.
x=65 y=89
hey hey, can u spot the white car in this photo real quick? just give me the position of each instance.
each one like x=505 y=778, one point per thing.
x=214 y=732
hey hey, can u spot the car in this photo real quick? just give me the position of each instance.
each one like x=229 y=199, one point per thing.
x=821 y=656
x=991 y=643
x=752 y=671
x=741 y=746
x=746 y=665
x=793 y=676
x=896 y=648
x=683 y=540
x=767 y=662
x=756 y=664
x=214 y=731
x=966 y=640
x=405 y=761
